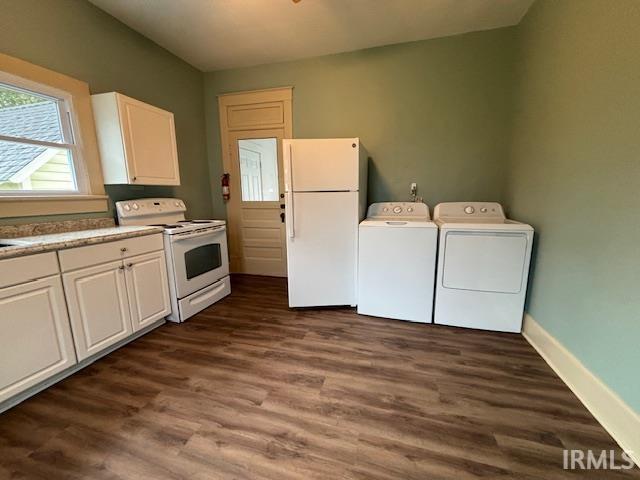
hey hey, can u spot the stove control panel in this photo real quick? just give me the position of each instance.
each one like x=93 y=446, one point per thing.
x=149 y=206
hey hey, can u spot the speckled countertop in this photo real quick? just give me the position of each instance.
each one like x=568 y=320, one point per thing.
x=57 y=241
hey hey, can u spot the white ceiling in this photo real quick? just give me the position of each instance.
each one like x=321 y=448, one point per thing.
x=219 y=34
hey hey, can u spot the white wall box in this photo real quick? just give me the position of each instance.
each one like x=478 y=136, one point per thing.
x=137 y=141
x=36 y=341
x=113 y=290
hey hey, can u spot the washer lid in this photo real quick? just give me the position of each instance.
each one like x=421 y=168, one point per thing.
x=483 y=225
x=397 y=222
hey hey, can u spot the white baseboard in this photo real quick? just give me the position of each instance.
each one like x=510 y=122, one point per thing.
x=617 y=418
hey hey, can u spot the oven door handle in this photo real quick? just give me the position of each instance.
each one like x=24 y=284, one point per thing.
x=189 y=235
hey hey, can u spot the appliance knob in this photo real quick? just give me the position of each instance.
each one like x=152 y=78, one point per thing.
x=135 y=206
x=410 y=209
x=469 y=209
x=483 y=209
x=385 y=209
x=397 y=209
x=127 y=207
x=177 y=204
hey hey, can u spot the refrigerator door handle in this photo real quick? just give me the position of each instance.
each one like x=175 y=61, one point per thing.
x=289 y=188
x=289 y=215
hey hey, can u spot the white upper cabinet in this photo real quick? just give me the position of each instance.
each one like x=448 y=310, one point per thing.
x=137 y=141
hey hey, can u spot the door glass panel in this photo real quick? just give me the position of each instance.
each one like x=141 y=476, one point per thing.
x=259 y=169
x=202 y=259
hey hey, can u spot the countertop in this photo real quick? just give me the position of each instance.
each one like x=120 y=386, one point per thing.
x=57 y=241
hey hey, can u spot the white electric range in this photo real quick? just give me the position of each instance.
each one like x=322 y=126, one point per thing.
x=196 y=252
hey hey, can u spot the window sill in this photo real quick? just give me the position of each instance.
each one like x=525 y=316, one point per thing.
x=31 y=205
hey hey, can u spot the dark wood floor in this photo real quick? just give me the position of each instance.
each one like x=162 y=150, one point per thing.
x=252 y=390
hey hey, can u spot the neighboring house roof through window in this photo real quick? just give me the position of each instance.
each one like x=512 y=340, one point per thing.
x=36 y=120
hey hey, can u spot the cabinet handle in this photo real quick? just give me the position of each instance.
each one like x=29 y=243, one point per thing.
x=123 y=249
x=121 y=267
x=129 y=265
x=134 y=179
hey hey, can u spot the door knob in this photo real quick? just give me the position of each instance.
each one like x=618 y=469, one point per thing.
x=282 y=217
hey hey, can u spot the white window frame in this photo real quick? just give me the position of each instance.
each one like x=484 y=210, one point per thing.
x=70 y=131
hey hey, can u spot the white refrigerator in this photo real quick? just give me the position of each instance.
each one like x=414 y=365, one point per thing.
x=325 y=199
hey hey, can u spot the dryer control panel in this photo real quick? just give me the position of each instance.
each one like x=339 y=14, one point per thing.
x=416 y=210
x=469 y=210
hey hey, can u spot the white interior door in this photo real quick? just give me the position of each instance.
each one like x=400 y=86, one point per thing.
x=322 y=248
x=485 y=261
x=98 y=307
x=257 y=241
x=36 y=338
x=252 y=126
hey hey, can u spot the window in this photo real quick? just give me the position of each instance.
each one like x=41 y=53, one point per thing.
x=38 y=151
x=259 y=169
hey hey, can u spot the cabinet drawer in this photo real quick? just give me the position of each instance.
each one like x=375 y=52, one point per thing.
x=23 y=269
x=90 y=255
x=203 y=298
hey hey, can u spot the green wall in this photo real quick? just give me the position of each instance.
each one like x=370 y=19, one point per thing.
x=543 y=116
x=575 y=175
x=435 y=112
x=75 y=38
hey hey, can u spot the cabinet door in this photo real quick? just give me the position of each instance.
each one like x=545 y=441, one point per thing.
x=36 y=338
x=98 y=307
x=148 y=289
x=150 y=143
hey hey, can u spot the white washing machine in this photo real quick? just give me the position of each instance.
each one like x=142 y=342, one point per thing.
x=396 y=262
x=483 y=267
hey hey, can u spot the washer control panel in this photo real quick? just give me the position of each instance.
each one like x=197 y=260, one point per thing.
x=471 y=210
x=399 y=209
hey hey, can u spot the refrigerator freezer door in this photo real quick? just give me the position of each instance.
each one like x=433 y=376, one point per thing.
x=321 y=165
x=322 y=255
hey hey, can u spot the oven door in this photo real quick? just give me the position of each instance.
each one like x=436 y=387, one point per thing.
x=200 y=258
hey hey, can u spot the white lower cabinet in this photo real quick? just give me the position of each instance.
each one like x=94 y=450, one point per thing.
x=36 y=340
x=98 y=307
x=112 y=290
x=111 y=301
x=146 y=277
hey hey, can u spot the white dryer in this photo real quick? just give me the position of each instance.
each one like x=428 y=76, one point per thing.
x=396 y=262
x=483 y=267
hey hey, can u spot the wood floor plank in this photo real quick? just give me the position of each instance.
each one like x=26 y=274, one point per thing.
x=252 y=390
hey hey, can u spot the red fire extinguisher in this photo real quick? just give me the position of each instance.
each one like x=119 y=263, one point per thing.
x=226 y=193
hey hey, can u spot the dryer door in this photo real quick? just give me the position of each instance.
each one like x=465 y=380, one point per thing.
x=485 y=261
